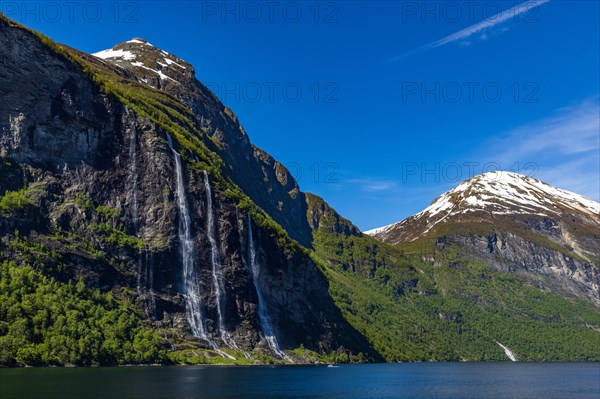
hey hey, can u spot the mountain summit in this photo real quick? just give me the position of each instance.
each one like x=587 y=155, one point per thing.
x=245 y=164
x=491 y=195
x=515 y=223
x=150 y=64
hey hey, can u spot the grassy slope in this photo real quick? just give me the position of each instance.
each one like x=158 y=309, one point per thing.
x=457 y=310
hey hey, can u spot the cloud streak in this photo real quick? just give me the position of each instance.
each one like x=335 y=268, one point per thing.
x=372 y=185
x=565 y=147
x=482 y=26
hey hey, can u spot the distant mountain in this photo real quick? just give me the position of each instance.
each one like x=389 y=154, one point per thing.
x=516 y=223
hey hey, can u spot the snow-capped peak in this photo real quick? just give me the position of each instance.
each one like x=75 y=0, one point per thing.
x=124 y=51
x=150 y=64
x=498 y=193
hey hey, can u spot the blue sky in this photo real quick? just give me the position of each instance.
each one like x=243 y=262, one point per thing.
x=379 y=107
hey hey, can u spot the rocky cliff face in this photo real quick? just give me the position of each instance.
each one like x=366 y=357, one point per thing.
x=548 y=269
x=515 y=224
x=261 y=177
x=102 y=185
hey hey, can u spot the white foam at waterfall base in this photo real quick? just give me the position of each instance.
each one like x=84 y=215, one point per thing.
x=263 y=316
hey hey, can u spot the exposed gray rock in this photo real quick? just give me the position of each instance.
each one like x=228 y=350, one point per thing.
x=85 y=149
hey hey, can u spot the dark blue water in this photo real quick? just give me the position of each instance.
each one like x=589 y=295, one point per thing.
x=411 y=380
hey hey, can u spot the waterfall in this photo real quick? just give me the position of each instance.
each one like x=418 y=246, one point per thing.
x=508 y=352
x=139 y=273
x=217 y=271
x=193 y=299
x=265 y=322
x=149 y=266
x=133 y=177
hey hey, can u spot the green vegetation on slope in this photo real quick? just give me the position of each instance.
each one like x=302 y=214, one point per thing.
x=13 y=201
x=53 y=258
x=46 y=322
x=456 y=310
x=408 y=309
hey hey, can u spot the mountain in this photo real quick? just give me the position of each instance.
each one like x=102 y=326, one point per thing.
x=123 y=179
x=139 y=224
x=517 y=224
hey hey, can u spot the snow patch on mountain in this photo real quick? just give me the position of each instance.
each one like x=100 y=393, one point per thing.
x=158 y=72
x=111 y=53
x=171 y=62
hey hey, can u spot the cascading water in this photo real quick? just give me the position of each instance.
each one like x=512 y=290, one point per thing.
x=133 y=177
x=508 y=352
x=149 y=267
x=265 y=322
x=217 y=271
x=193 y=299
x=194 y=312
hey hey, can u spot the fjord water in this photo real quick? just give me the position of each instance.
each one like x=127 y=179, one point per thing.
x=407 y=380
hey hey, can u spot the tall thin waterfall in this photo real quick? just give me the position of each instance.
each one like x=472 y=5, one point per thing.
x=263 y=316
x=194 y=312
x=149 y=274
x=133 y=177
x=217 y=271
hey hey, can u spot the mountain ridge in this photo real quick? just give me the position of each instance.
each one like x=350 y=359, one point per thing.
x=506 y=192
x=245 y=164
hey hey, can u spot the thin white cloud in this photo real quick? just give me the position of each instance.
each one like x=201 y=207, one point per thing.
x=565 y=148
x=465 y=34
x=373 y=184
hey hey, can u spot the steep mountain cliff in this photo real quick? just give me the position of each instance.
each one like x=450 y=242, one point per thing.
x=267 y=182
x=125 y=187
